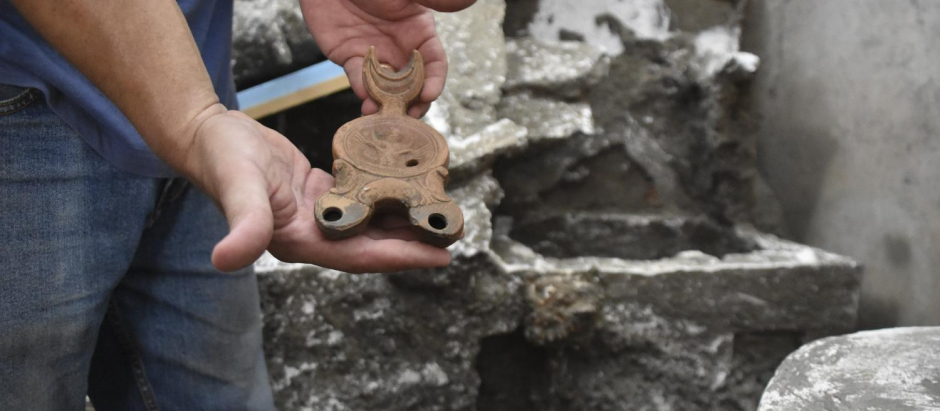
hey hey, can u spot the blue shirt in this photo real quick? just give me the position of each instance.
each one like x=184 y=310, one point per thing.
x=26 y=60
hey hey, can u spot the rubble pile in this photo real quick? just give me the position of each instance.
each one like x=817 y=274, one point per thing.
x=610 y=259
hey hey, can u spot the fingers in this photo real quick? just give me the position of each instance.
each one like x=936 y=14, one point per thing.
x=391 y=221
x=251 y=226
x=447 y=6
x=353 y=69
x=318 y=182
x=402 y=233
x=435 y=71
x=364 y=255
x=369 y=106
x=418 y=110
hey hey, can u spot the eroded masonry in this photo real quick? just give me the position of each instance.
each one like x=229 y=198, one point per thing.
x=615 y=254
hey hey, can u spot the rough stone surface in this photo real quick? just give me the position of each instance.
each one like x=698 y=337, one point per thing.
x=892 y=369
x=545 y=117
x=269 y=39
x=477 y=151
x=476 y=52
x=590 y=21
x=702 y=149
x=586 y=173
x=628 y=236
x=563 y=68
x=336 y=341
x=689 y=332
x=670 y=98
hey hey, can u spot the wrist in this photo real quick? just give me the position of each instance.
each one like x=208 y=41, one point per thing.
x=187 y=159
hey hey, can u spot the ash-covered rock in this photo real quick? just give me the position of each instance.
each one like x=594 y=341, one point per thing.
x=639 y=237
x=475 y=198
x=545 y=117
x=690 y=332
x=891 y=369
x=476 y=52
x=562 y=68
x=590 y=21
x=270 y=39
x=579 y=173
x=336 y=341
x=691 y=124
x=476 y=152
x=664 y=331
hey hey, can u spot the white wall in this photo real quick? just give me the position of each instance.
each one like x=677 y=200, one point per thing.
x=849 y=91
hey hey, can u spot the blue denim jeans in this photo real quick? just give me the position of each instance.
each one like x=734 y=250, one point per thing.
x=106 y=286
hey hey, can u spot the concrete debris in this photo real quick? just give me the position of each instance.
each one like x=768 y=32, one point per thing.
x=647 y=19
x=629 y=236
x=546 y=118
x=562 y=68
x=476 y=52
x=477 y=151
x=412 y=340
x=475 y=198
x=717 y=49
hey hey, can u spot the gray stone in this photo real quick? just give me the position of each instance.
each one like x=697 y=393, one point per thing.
x=336 y=341
x=777 y=285
x=546 y=118
x=270 y=39
x=591 y=21
x=892 y=369
x=476 y=152
x=699 y=15
x=688 y=332
x=475 y=198
x=565 y=68
x=476 y=52
x=413 y=340
x=629 y=236
x=670 y=96
x=585 y=173
x=679 y=123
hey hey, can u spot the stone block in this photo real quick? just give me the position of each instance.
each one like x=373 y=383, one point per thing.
x=691 y=330
x=894 y=369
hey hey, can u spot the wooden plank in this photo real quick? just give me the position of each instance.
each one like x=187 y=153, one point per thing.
x=293 y=89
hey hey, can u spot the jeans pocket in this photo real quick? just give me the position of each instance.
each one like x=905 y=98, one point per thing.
x=13 y=98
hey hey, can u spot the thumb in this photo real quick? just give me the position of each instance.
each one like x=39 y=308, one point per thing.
x=250 y=222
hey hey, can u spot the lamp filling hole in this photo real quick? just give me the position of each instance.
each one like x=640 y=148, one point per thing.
x=332 y=214
x=411 y=163
x=437 y=221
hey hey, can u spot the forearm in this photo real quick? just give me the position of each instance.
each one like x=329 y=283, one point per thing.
x=141 y=55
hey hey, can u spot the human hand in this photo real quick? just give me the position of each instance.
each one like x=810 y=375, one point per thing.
x=345 y=29
x=268 y=191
